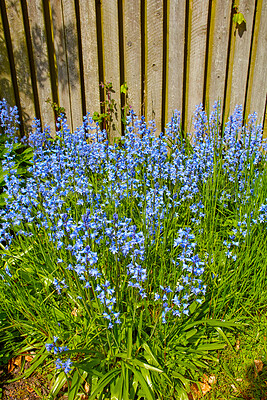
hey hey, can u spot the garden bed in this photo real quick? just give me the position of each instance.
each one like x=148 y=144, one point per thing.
x=127 y=267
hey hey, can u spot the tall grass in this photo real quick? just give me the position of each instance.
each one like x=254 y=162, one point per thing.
x=124 y=262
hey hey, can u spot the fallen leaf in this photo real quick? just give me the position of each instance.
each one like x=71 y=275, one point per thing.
x=17 y=361
x=194 y=391
x=74 y=312
x=28 y=358
x=86 y=387
x=212 y=379
x=209 y=379
x=258 y=366
x=12 y=363
x=205 y=387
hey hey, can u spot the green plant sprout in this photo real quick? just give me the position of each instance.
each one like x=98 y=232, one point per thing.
x=109 y=107
x=58 y=110
x=238 y=17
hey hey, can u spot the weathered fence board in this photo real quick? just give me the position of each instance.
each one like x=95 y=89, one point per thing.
x=175 y=56
x=22 y=67
x=217 y=51
x=40 y=53
x=132 y=48
x=72 y=60
x=89 y=54
x=197 y=54
x=112 y=58
x=154 y=61
x=239 y=69
x=61 y=57
x=6 y=85
x=258 y=71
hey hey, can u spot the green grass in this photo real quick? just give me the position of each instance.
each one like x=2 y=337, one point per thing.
x=241 y=372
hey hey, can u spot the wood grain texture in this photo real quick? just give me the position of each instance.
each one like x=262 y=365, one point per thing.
x=132 y=46
x=61 y=58
x=19 y=45
x=243 y=37
x=6 y=85
x=154 y=61
x=218 y=50
x=175 y=56
x=89 y=54
x=258 y=83
x=40 y=54
x=110 y=29
x=197 y=54
x=72 y=57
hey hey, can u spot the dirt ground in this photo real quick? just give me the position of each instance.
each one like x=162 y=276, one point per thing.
x=35 y=387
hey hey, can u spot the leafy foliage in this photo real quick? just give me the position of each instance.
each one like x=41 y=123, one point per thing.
x=124 y=263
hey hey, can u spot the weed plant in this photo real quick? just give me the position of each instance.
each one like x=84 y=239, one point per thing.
x=124 y=263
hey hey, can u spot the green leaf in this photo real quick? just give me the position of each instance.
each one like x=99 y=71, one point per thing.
x=76 y=382
x=146 y=366
x=116 y=388
x=239 y=18
x=129 y=342
x=124 y=88
x=125 y=375
x=211 y=346
x=60 y=381
x=212 y=322
x=184 y=381
x=181 y=394
x=190 y=333
x=145 y=387
x=134 y=388
x=221 y=332
x=153 y=358
x=235 y=17
x=107 y=378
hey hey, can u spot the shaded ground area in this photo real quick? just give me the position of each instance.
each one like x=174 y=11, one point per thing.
x=34 y=387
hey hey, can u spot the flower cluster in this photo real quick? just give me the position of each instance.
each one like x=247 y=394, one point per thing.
x=60 y=364
x=118 y=227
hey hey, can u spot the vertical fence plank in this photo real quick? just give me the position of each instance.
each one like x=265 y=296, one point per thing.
x=111 y=58
x=217 y=53
x=175 y=56
x=6 y=85
x=60 y=57
x=132 y=46
x=72 y=58
x=257 y=88
x=239 y=69
x=18 y=38
x=154 y=61
x=89 y=54
x=197 y=54
x=40 y=53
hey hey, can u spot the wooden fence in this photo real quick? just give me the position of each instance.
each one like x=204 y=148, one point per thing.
x=173 y=54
